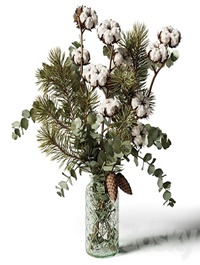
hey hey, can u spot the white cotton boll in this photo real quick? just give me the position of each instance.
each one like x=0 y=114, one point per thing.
x=138 y=141
x=83 y=17
x=116 y=33
x=93 y=80
x=102 y=79
x=141 y=111
x=76 y=55
x=118 y=59
x=106 y=23
x=115 y=103
x=109 y=107
x=108 y=37
x=164 y=35
x=89 y=23
x=121 y=57
x=94 y=18
x=150 y=46
x=135 y=131
x=113 y=24
x=155 y=55
x=175 y=38
x=110 y=110
x=135 y=102
x=87 y=72
x=164 y=52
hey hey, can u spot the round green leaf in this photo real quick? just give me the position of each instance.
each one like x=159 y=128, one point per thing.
x=91 y=118
x=24 y=123
x=147 y=157
x=158 y=173
x=26 y=113
x=16 y=124
x=151 y=169
x=63 y=184
x=14 y=136
x=167 y=195
x=174 y=55
x=160 y=183
x=17 y=132
x=167 y=185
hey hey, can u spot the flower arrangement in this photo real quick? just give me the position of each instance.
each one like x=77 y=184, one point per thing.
x=92 y=117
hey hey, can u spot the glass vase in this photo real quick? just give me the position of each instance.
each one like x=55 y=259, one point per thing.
x=102 y=218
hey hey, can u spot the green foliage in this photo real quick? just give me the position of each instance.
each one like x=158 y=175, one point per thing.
x=173 y=57
x=136 y=41
x=23 y=124
x=157 y=137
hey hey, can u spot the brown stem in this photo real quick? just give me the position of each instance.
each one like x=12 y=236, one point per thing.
x=153 y=79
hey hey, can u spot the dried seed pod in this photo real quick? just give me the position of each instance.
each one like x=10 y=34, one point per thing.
x=123 y=184
x=111 y=184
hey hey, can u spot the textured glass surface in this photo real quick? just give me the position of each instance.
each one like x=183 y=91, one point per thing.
x=101 y=221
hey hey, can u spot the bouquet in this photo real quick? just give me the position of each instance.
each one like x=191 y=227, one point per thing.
x=94 y=117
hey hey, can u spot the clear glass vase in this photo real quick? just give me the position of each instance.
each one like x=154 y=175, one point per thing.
x=102 y=218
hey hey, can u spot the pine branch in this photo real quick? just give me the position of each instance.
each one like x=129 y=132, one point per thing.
x=123 y=123
x=59 y=145
x=47 y=110
x=135 y=41
x=122 y=82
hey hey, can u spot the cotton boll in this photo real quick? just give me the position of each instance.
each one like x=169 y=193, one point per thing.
x=89 y=23
x=109 y=32
x=115 y=31
x=140 y=103
x=157 y=52
x=169 y=36
x=121 y=57
x=93 y=80
x=96 y=75
x=109 y=107
x=77 y=58
x=135 y=102
x=141 y=111
x=102 y=79
x=85 y=18
x=139 y=134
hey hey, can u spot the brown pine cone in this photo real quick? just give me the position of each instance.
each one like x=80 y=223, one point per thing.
x=123 y=184
x=111 y=184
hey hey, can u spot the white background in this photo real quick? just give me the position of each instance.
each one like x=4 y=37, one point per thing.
x=37 y=226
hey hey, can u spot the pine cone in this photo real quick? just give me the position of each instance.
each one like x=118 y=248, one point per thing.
x=123 y=184
x=111 y=184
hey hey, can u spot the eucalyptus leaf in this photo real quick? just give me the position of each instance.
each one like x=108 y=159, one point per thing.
x=14 y=136
x=151 y=169
x=16 y=124
x=63 y=184
x=101 y=157
x=147 y=157
x=73 y=173
x=17 y=132
x=160 y=183
x=166 y=195
x=158 y=173
x=167 y=185
x=174 y=55
x=117 y=144
x=26 y=113
x=91 y=118
x=169 y=62
x=33 y=114
x=24 y=123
